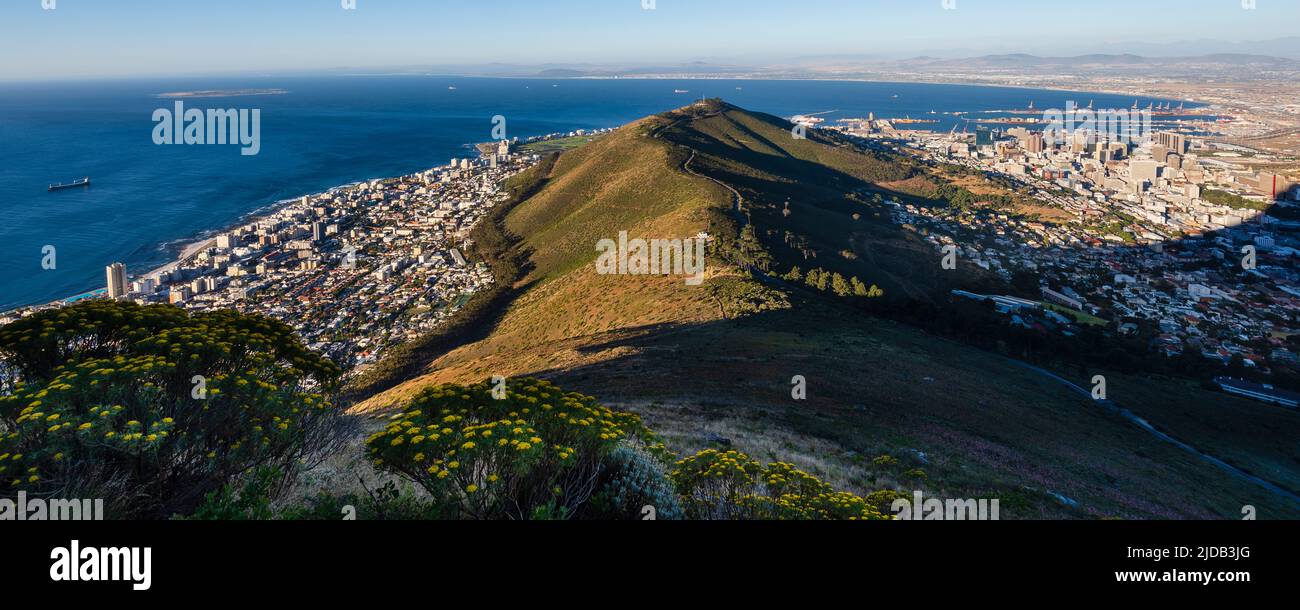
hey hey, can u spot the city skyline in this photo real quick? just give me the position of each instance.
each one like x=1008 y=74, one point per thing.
x=77 y=39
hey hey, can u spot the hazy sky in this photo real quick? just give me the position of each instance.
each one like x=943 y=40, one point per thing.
x=146 y=37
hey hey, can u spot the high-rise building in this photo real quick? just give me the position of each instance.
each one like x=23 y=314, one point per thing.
x=1145 y=169
x=1080 y=141
x=1271 y=184
x=1035 y=143
x=1160 y=153
x=983 y=136
x=117 y=286
x=143 y=286
x=178 y=295
x=1173 y=142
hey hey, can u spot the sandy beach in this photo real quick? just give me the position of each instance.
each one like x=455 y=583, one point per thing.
x=186 y=253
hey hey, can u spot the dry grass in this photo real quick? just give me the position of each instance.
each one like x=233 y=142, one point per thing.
x=985 y=427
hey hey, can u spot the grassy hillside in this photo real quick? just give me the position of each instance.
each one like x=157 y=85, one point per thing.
x=818 y=201
x=887 y=405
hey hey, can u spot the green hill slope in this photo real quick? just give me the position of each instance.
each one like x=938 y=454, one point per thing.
x=716 y=361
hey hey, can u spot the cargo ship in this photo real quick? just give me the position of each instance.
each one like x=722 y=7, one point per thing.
x=71 y=185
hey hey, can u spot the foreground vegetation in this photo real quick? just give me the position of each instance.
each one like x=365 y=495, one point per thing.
x=151 y=409
x=534 y=451
x=212 y=416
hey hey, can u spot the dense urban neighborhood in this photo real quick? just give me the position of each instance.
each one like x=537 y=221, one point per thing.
x=1166 y=234
x=355 y=270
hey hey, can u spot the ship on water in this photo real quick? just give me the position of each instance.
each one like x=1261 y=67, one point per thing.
x=71 y=185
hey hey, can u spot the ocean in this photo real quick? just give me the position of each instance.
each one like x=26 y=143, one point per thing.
x=146 y=200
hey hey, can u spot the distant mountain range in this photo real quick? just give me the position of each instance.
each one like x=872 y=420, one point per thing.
x=845 y=65
x=1287 y=47
x=1026 y=60
x=1188 y=65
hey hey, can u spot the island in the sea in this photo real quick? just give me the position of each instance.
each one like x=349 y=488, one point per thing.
x=221 y=93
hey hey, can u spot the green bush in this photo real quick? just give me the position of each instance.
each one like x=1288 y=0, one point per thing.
x=885 y=461
x=251 y=500
x=883 y=500
x=631 y=481
x=151 y=409
x=535 y=453
x=732 y=486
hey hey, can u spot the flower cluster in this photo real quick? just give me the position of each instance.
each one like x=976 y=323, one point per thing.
x=731 y=485
x=120 y=413
x=503 y=456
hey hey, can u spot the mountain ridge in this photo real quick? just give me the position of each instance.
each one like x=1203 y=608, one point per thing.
x=717 y=361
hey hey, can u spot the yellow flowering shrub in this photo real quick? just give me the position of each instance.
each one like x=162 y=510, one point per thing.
x=114 y=414
x=536 y=452
x=730 y=485
x=713 y=484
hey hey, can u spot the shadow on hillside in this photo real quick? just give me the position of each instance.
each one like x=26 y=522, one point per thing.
x=874 y=387
x=808 y=214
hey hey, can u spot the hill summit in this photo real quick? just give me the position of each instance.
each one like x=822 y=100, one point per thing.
x=759 y=356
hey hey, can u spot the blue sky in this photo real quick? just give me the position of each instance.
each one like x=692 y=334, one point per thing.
x=150 y=37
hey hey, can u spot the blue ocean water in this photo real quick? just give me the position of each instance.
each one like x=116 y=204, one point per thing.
x=322 y=132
